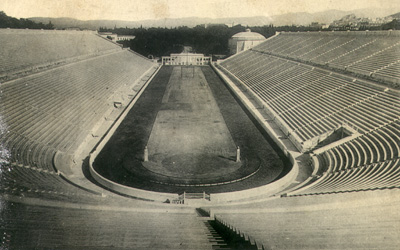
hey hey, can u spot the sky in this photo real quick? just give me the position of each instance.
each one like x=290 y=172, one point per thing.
x=134 y=10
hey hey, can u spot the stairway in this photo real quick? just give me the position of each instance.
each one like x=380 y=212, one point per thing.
x=214 y=237
x=222 y=237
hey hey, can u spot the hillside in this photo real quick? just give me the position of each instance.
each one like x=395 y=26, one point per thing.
x=395 y=16
x=300 y=18
x=62 y=23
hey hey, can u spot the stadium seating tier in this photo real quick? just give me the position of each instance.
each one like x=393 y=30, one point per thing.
x=312 y=101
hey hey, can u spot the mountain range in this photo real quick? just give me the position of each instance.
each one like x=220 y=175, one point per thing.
x=299 y=18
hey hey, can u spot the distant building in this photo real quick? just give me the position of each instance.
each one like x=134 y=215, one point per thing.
x=108 y=35
x=186 y=59
x=124 y=38
x=349 y=22
x=115 y=38
x=244 y=41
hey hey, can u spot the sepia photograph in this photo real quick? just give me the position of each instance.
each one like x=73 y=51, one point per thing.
x=199 y=124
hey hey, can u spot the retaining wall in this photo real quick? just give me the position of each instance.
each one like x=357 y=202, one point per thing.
x=134 y=192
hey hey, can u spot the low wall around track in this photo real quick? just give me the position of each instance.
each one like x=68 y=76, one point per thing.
x=125 y=190
x=270 y=188
x=116 y=187
x=218 y=198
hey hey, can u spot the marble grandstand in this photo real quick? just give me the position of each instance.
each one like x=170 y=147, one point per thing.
x=330 y=101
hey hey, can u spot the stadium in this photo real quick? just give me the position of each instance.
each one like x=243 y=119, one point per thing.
x=291 y=144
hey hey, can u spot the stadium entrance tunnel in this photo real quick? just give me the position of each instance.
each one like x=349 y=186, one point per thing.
x=191 y=128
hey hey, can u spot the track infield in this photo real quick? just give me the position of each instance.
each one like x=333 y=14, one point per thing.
x=189 y=138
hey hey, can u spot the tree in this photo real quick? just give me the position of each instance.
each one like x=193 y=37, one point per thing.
x=394 y=25
x=11 y=22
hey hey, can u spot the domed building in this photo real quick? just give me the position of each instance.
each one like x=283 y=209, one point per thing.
x=244 y=41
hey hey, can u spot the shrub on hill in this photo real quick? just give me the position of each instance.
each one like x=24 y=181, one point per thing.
x=15 y=23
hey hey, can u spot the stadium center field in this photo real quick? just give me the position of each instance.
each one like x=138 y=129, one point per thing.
x=191 y=125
